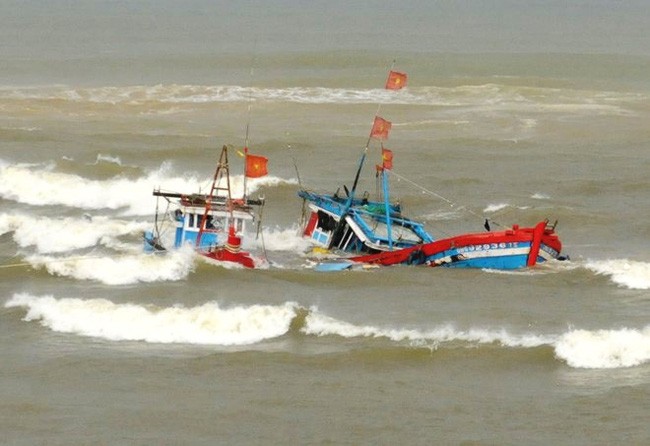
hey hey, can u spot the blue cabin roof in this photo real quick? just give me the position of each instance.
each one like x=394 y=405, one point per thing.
x=370 y=217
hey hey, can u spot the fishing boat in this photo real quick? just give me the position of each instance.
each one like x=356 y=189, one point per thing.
x=359 y=230
x=214 y=222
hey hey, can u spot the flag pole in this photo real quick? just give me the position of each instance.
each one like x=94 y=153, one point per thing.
x=362 y=159
x=245 y=166
x=365 y=150
x=389 y=228
x=248 y=122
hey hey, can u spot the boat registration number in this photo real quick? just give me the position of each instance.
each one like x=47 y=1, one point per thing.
x=488 y=246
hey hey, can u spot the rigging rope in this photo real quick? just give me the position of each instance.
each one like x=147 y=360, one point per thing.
x=448 y=201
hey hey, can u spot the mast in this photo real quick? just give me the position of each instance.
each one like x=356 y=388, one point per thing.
x=356 y=178
x=365 y=150
x=379 y=130
x=248 y=123
x=221 y=171
x=389 y=228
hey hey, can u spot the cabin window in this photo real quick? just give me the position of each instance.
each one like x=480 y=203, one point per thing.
x=325 y=221
x=190 y=224
x=214 y=223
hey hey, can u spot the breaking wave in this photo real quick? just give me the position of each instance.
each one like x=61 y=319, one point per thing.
x=322 y=325
x=207 y=324
x=213 y=324
x=605 y=349
x=120 y=270
x=494 y=96
x=42 y=186
x=627 y=273
x=129 y=265
x=57 y=235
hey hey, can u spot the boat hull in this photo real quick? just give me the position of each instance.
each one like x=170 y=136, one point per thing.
x=212 y=223
x=511 y=249
x=221 y=255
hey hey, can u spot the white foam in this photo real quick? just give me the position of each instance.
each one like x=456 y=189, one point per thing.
x=206 y=324
x=627 y=273
x=108 y=159
x=41 y=186
x=605 y=348
x=322 y=325
x=242 y=325
x=474 y=99
x=200 y=94
x=495 y=207
x=442 y=215
x=120 y=270
x=51 y=235
x=468 y=99
x=579 y=348
x=279 y=239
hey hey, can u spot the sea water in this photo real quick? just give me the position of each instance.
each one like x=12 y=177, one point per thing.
x=514 y=112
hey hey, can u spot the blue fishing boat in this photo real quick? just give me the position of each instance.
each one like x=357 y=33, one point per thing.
x=359 y=225
x=375 y=232
x=214 y=222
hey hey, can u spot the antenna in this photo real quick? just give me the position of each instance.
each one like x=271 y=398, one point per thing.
x=248 y=122
x=295 y=166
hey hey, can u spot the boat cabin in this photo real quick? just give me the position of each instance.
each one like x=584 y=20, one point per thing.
x=365 y=227
x=220 y=216
x=215 y=230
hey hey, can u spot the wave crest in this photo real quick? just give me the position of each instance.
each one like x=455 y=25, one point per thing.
x=207 y=324
x=628 y=273
x=605 y=349
x=41 y=186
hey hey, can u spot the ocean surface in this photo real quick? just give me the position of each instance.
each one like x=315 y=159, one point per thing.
x=514 y=111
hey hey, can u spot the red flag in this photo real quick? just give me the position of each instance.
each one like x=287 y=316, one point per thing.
x=387 y=158
x=380 y=128
x=395 y=80
x=256 y=166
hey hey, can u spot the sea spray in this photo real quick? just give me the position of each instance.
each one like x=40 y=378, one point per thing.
x=280 y=239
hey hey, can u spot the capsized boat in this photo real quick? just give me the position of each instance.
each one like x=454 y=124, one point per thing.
x=509 y=249
x=213 y=223
x=363 y=231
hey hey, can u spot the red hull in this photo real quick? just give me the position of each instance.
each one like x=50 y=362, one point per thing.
x=224 y=255
x=535 y=237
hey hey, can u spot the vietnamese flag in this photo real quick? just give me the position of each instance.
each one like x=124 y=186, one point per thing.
x=387 y=158
x=256 y=166
x=396 y=80
x=380 y=128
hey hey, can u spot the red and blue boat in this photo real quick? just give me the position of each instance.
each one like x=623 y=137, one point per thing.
x=360 y=231
x=213 y=223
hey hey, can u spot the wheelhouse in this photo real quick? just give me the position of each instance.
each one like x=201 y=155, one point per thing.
x=363 y=228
